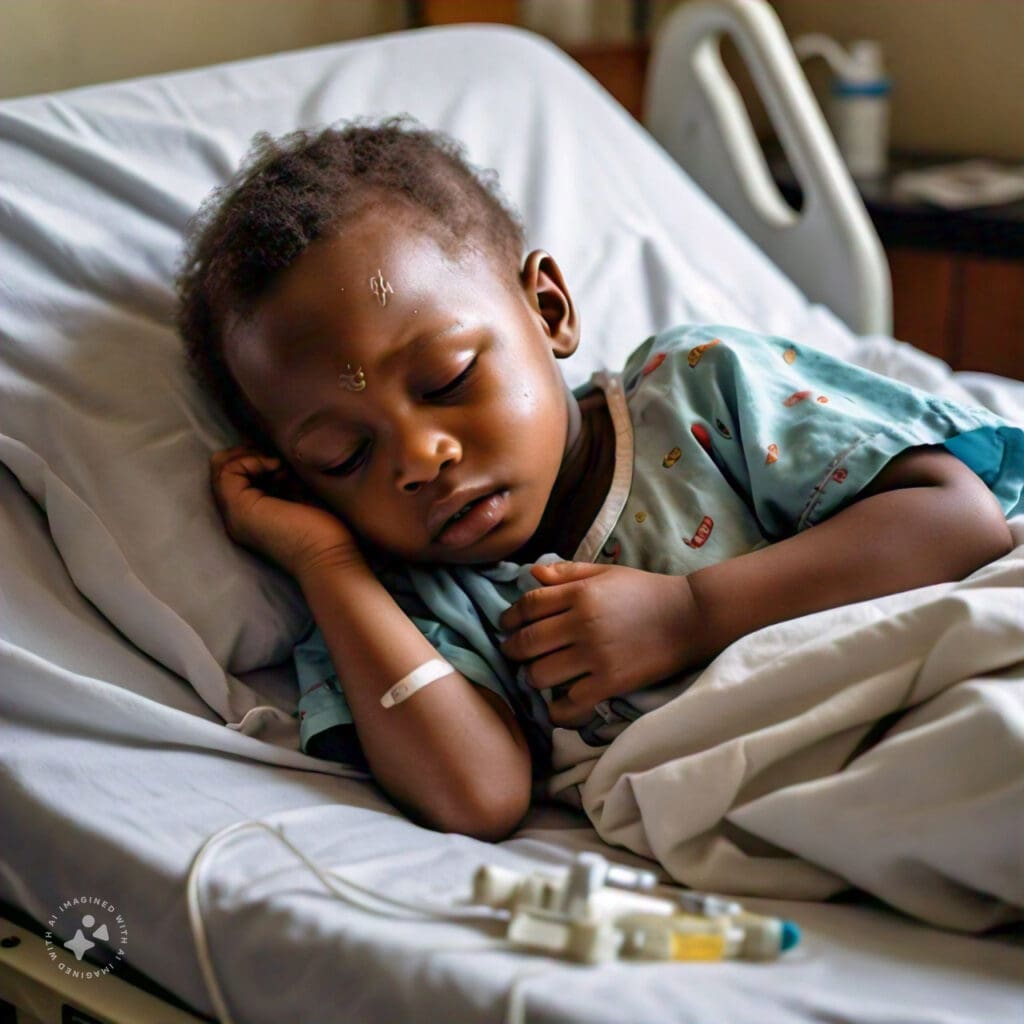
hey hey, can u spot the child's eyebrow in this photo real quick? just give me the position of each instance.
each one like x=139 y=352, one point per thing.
x=423 y=340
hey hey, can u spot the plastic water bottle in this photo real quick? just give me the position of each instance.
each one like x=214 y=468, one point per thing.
x=859 y=108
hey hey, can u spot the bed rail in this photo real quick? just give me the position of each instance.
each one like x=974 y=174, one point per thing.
x=693 y=108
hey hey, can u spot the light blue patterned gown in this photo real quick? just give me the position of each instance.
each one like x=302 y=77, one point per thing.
x=725 y=441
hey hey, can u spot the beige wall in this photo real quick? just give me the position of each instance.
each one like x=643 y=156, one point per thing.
x=55 y=44
x=957 y=66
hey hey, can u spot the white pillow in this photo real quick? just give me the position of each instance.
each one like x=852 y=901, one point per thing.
x=103 y=427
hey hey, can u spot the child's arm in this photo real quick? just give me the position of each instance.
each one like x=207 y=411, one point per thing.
x=452 y=755
x=925 y=519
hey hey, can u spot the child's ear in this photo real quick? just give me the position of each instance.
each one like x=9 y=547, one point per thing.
x=546 y=291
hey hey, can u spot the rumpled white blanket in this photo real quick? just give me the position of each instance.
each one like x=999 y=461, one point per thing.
x=780 y=772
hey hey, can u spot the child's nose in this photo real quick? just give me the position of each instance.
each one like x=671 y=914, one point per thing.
x=423 y=458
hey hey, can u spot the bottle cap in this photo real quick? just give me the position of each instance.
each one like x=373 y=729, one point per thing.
x=790 y=936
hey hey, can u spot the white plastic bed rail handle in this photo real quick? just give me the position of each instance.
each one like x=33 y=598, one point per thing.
x=688 y=87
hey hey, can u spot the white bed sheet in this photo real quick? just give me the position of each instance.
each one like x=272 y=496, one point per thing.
x=115 y=771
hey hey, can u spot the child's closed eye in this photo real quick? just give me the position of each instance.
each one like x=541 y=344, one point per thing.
x=349 y=465
x=454 y=387
x=448 y=392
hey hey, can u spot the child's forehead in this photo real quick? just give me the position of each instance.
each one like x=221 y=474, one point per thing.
x=403 y=222
x=379 y=264
x=367 y=275
x=397 y=229
x=379 y=284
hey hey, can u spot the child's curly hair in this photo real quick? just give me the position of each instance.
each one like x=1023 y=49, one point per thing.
x=293 y=190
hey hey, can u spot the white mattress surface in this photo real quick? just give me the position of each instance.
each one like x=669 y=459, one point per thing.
x=115 y=770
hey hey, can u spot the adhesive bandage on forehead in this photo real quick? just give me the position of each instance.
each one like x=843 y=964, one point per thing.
x=381 y=287
x=423 y=675
x=352 y=380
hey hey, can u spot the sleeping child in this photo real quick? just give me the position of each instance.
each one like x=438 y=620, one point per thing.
x=488 y=555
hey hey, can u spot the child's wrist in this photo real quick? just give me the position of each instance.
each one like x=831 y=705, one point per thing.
x=702 y=637
x=333 y=567
x=728 y=605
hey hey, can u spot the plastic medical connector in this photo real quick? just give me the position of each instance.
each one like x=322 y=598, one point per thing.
x=598 y=911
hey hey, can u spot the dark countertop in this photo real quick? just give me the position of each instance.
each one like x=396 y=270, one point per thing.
x=991 y=231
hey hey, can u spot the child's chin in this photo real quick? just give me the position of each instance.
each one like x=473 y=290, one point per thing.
x=474 y=557
x=485 y=551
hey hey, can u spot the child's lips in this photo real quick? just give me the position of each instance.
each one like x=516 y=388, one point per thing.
x=447 y=508
x=480 y=519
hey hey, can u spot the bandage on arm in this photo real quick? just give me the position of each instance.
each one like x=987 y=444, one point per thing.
x=422 y=675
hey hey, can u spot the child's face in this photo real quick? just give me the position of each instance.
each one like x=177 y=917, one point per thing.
x=403 y=384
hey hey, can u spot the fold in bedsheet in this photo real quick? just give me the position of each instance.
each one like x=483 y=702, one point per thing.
x=771 y=776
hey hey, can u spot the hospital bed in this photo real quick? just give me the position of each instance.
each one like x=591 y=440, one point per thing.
x=145 y=691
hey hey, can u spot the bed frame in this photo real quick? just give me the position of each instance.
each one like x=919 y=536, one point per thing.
x=32 y=992
x=694 y=110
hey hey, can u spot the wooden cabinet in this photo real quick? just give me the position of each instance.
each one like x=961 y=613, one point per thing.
x=966 y=309
x=922 y=289
x=989 y=326
x=619 y=67
x=957 y=275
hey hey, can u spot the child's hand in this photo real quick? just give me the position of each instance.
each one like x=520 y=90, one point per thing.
x=606 y=629
x=297 y=535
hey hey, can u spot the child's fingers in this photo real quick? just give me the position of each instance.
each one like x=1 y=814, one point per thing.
x=537 y=638
x=534 y=605
x=563 y=583
x=242 y=463
x=576 y=707
x=290 y=487
x=555 y=669
x=226 y=454
x=238 y=451
x=254 y=465
x=553 y=573
x=237 y=483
